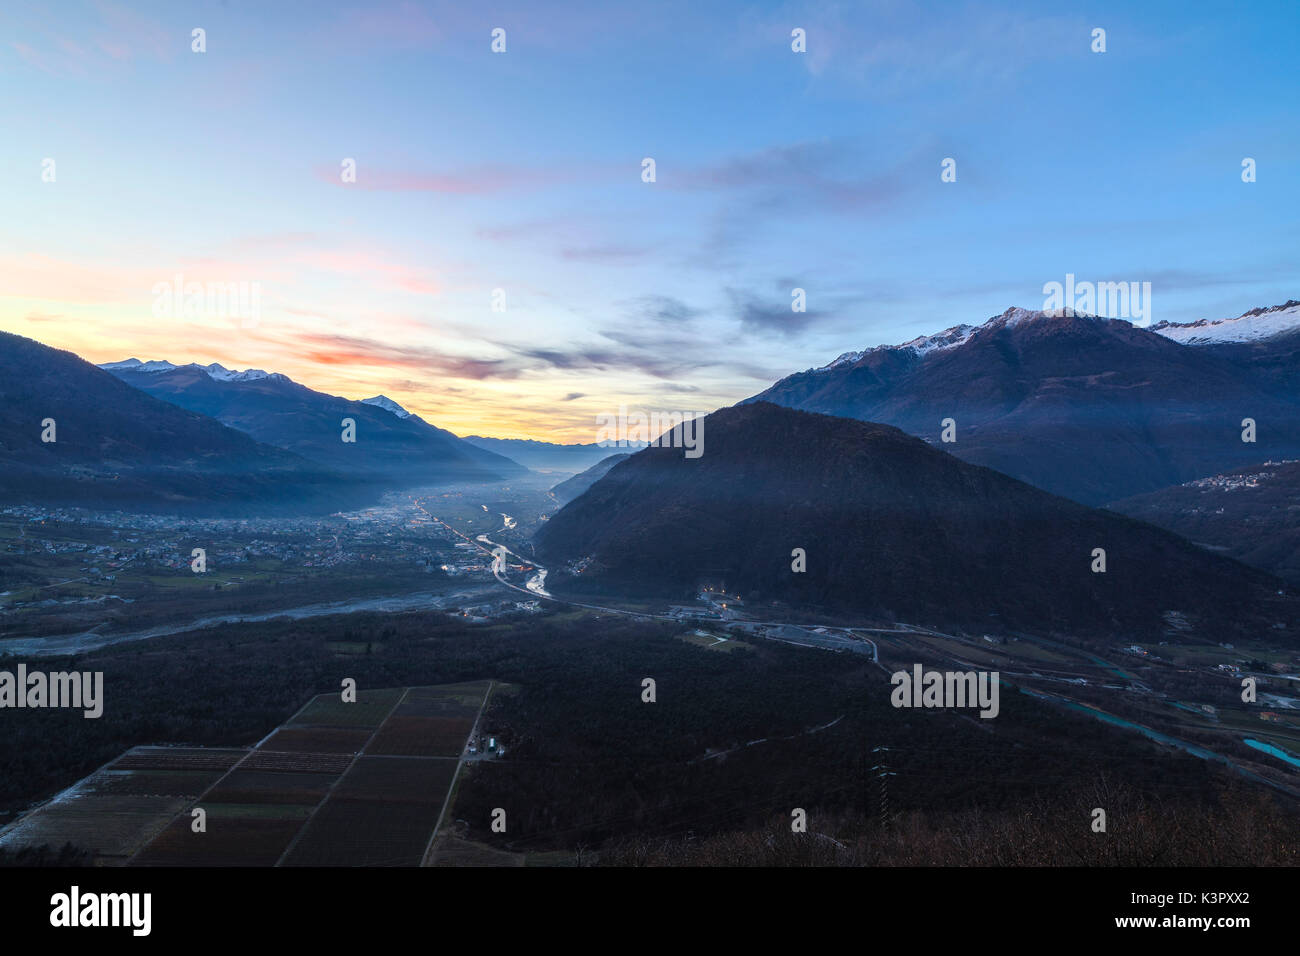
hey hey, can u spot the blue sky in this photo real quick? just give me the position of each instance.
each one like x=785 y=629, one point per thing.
x=521 y=171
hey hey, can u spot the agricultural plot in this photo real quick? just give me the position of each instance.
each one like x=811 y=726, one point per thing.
x=398 y=780
x=179 y=758
x=316 y=740
x=118 y=809
x=382 y=813
x=422 y=736
x=297 y=763
x=328 y=710
x=235 y=835
x=187 y=784
x=347 y=832
x=272 y=787
x=356 y=784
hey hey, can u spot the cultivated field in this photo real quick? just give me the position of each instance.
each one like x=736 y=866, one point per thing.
x=339 y=784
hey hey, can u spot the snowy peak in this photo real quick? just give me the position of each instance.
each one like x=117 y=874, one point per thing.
x=1015 y=316
x=921 y=345
x=848 y=358
x=949 y=338
x=387 y=404
x=1253 y=326
x=218 y=373
x=135 y=365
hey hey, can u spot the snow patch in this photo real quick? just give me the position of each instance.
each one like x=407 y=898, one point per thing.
x=387 y=404
x=218 y=373
x=1253 y=326
x=135 y=365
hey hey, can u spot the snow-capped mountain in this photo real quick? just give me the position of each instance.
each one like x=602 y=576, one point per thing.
x=921 y=345
x=1092 y=408
x=388 y=405
x=393 y=446
x=218 y=373
x=1253 y=326
x=1257 y=325
x=953 y=337
x=120 y=448
x=135 y=365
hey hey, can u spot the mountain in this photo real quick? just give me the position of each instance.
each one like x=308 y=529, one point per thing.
x=1090 y=408
x=388 y=405
x=1264 y=341
x=892 y=528
x=545 y=456
x=116 y=447
x=392 y=446
x=1257 y=325
x=1252 y=514
x=570 y=488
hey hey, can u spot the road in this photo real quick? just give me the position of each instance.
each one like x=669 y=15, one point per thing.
x=451 y=788
x=534 y=589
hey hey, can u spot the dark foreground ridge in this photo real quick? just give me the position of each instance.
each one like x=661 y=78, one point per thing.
x=891 y=527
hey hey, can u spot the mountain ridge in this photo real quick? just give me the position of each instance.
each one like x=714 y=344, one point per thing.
x=891 y=526
x=1090 y=408
x=118 y=447
x=274 y=409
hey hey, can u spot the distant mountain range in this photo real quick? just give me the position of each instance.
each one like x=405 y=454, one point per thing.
x=1252 y=514
x=546 y=456
x=1090 y=408
x=1264 y=341
x=117 y=447
x=1257 y=325
x=392 y=446
x=570 y=488
x=891 y=527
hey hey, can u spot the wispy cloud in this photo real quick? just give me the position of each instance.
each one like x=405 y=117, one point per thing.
x=373 y=265
x=661 y=308
x=772 y=313
x=484 y=180
x=329 y=349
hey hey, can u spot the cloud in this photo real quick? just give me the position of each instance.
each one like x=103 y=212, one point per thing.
x=612 y=252
x=772 y=314
x=662 y=308
x=327 y=349
x=375 y=265
x=530 y=229
x=402 y=25
x=889 y=50
x=483 y=180
x=826 y=173
x=782 y=184
x=33 y=57
x=132 y=33
x=573 y=396
x=656 y=351
x=668 y=363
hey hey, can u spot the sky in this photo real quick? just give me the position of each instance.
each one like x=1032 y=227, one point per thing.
x=500 y=265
